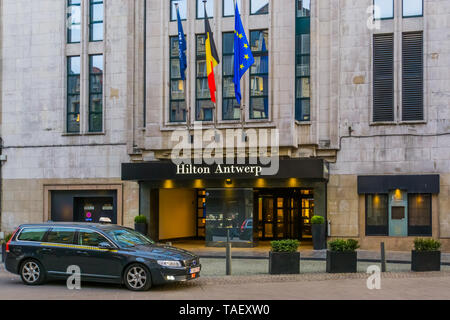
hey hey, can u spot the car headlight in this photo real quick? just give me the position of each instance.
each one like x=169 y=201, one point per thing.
x=169 y=263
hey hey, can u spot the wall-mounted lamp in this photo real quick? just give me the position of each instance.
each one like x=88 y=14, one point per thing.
x=229 y=182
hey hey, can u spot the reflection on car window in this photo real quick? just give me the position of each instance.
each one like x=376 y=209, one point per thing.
x=32 y=234
x=128 y=238
x=61 y=235
x=90 y=239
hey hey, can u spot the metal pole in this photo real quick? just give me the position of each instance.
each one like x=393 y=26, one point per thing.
x=383 y=258
x=228 y=254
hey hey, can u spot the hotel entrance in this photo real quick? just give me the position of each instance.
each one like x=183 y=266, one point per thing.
x=241 y=207
x=284 y=213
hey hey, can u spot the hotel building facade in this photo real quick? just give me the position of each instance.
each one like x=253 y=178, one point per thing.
x=357 y=97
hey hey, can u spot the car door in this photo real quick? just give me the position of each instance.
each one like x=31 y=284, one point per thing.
x=95 y=262
x=57 y=250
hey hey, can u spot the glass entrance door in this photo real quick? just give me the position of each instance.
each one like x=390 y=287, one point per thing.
x=284 y=213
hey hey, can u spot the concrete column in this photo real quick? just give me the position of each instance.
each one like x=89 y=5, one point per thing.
x=153 y=226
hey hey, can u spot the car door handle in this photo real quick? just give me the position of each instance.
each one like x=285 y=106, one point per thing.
x=84 y=253
x=47 y=250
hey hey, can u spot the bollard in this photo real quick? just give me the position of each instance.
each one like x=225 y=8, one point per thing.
x=228 y=254
x=383 y=258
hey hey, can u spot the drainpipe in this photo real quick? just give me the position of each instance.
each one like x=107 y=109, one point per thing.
x=1 y=180
x=145 y=65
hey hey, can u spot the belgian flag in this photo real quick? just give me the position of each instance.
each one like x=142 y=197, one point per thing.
x=212 y=58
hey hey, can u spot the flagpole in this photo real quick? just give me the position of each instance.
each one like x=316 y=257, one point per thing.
x=188 y=111
x=241 y=105
x=214 y=103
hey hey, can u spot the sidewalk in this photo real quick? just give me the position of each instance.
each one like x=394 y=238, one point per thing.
x=306 y=253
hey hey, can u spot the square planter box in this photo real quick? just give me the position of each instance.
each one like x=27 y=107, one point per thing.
x=284 y=262
x=141 y=227
x=318 y=235
x=341 y=262
x=425 y=261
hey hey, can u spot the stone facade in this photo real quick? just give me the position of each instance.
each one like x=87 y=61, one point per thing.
x=38 y=150
x=33 y=53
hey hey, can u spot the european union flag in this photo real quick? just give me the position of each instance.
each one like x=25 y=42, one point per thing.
x=243 y=57
x=181 y=47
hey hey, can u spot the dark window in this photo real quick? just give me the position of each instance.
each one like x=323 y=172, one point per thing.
x=177 y=91
x=201 y=9
x=259 y=6
x=230 y=107
x=377 y=215
x=90 y=238
x=259 y=75
x=61 y=235
x=398 y=213
x=73 y=21
x=383 y=77
x=302 y=57
x=96 y=20
x=419 y=214
x=181 y=6
x=204 y=106
x=73 y=94
x=412 y=78
x=32 y=234
x=384 y=9
x=412 y=8
x=96 y=93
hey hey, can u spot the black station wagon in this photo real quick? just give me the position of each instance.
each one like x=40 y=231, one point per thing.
x=103 y=252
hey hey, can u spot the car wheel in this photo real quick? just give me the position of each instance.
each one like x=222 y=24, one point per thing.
x=32 y=273
x=137 y=278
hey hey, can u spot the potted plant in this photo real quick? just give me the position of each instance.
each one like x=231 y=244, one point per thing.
x=140 y=224
x=426 y=255
x=318 y=232
x=3 y=245
x=342 y=256
x=284 y=257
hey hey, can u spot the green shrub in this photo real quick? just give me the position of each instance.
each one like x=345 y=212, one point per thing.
x=140 y=219
x=341 y=245
x=285 y=245
x=7 y=238
x=426 y=244
x=318 y=220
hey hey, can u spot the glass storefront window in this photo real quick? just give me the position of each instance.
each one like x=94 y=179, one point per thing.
x=229 y=210
x=419 y=214
x=377 y=214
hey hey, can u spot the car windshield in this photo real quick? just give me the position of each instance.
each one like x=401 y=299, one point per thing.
x=128 y=238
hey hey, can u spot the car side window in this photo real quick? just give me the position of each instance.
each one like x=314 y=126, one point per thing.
x=90 y=238
x=61 y=235
x=32 y=234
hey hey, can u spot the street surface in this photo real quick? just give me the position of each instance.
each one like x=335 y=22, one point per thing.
x=318 y=286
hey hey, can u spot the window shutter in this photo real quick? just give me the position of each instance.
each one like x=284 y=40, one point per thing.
x=412 y=80
x=383 y=77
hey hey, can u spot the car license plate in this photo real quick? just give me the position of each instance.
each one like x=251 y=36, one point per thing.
x=195 y=270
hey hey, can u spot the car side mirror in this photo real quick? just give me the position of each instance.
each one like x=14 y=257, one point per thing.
x=105 y=246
